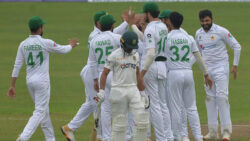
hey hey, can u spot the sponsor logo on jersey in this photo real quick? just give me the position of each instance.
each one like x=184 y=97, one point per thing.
x=201 y=46
x=149 y=35
x=128 y=65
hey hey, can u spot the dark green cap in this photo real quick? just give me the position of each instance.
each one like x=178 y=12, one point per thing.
x=165 y=14
x=35 y=22
x=98 y=15
x=150 y=7
x=107 y=20
x=130 y=39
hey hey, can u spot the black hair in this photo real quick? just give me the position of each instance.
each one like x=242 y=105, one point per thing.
x=35 y=29
x=106 y=27
x=176 y=19
x=205 y=13
x=154 y=14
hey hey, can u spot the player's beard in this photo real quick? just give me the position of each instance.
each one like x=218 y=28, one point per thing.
x=207 y=26
x=147 y=19
x=140 y=28
x=41 y=34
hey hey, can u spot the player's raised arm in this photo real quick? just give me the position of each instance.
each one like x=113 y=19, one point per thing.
x=123 y=27
x=52 y=46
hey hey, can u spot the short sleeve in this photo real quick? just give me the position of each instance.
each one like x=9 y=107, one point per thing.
x=110 y=62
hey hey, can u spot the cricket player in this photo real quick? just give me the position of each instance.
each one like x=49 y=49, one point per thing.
x=164 y=16
x=212 y=40
x=90 y=105
x=180 y=83
x=139 y=27
x=34 y=51
x=100 y=47
x=155 y=36
x=124 y=95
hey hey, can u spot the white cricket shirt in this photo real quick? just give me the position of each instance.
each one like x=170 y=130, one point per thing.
x=155 y=36
x=34 y=51
x=179 y=49
x=123 y=67
x=212 y=45
x=100 y=47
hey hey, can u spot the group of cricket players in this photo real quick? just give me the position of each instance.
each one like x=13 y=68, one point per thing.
x=137 y=78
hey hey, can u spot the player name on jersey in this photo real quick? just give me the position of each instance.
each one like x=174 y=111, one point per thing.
x=179 y=41
x=102 y=43
x=163 y=33
x=32 y=48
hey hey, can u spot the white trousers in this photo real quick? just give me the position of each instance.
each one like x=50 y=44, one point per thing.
x=184 y=131
x=40 y=93
x=155 y=82
x=105 y=111
x=217 y=99
x=126 y=101
x=89 y=106
x=182 y=93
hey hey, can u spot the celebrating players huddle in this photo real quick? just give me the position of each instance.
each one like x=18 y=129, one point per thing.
x=135 y=78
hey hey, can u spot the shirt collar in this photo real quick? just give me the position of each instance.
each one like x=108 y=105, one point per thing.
x=34 y=36
x=97 y=29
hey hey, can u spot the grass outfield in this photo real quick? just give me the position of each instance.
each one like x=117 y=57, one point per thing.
x=67 y=20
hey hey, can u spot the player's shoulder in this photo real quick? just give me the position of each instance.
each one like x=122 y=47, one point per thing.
x=199 y=31
x=114 y=35
x=116 y=53
x=96 y=38
x=94 y=33
x=220 y=29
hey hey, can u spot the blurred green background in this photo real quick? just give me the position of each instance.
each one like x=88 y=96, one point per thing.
x=67 y=20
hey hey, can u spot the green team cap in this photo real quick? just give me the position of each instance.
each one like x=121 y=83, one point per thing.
x=98 y=15
x=130 y=39
x=107 y=19
x=36 y=22
x=165 y=14
x=150 y=7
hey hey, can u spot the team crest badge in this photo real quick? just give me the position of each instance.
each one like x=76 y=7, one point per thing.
x=134 y=42
x=229 y=35
x=212 y=37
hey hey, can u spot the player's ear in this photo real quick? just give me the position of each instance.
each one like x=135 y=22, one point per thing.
x=112 y=28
